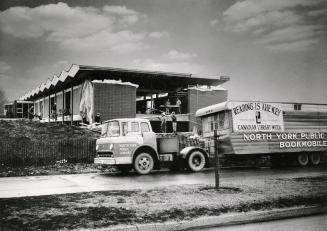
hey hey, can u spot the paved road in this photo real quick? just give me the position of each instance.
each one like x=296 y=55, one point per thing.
x=59 y=184
x=316 y=223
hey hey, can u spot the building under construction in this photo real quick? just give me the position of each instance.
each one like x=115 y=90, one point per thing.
x=84 y=93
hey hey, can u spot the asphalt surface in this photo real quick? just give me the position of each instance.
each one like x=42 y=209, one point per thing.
x=60 y=184
x=316 y=223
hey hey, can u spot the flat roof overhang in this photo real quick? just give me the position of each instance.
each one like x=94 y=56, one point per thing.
x=148 y=81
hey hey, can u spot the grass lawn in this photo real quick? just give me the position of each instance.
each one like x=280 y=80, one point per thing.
x=109 y=208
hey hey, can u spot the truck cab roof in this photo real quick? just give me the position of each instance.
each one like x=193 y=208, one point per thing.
x=128 y=120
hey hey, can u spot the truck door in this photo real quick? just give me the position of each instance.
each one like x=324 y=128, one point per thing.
x=149 y=137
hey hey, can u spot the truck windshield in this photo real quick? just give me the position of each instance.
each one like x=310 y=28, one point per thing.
x=113 y=128
x=104 y=128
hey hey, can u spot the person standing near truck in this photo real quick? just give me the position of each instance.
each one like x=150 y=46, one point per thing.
x=167 y=105
x=54 y=111
x=174 y=122
x=178 y=104
x=163 y=120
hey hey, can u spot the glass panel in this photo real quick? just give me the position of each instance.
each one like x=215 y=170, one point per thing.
x=135 y=127
x=145 y=127
x=113 y=128
x=205 y=124
x=124 y=128
x=104 y=128
x=221 y=122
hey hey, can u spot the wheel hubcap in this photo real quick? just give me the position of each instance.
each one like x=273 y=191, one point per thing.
x=196 y=161
x=144 y=163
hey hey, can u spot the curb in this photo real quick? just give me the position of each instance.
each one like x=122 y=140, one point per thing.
x=222 y=220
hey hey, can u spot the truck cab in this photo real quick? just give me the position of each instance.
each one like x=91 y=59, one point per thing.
x=122 y=139
x=131 y=143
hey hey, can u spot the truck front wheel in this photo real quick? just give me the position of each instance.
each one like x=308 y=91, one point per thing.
x=143 y=163
x=196 y=161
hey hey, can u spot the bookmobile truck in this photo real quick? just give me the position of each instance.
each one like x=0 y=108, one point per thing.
x=283 y=131
x=287 y=132
x=131 y=143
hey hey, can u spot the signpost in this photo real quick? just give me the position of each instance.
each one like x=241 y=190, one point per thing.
x=215 y=136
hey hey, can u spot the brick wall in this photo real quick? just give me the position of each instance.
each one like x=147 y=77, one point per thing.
x=114 y=101
x=199 y=99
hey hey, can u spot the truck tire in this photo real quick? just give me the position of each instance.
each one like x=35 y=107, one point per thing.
x=275 y=160
x=196 y=161
x=143 y=163
x=125 y=168
x=302 y=159
x=315 y=158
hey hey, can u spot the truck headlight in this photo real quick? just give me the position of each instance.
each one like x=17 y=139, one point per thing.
x=111 y=146
x=97 y=147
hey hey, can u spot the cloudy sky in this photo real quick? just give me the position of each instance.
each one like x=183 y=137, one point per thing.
x=273 y=50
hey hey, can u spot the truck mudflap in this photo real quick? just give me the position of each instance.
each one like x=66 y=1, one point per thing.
x=113 y=161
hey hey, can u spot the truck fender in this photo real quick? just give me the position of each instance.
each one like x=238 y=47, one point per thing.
x=187 y=150
x=147 y=148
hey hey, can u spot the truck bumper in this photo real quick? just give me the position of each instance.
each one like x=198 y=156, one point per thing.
x=113 y=161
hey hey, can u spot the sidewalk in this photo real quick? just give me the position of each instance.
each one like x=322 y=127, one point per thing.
x=222 y=220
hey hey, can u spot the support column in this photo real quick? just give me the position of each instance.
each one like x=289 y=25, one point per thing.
x=55 y=101
x=72 y=104
x=49 y=107
x=43 y=110
x=151 y=101
x=217 y=167
x=63 y=105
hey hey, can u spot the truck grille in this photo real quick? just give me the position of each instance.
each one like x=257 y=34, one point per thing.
x=106 y=154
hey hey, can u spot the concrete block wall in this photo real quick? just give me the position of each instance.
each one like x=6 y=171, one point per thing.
x=114 y=100
x=198 y=99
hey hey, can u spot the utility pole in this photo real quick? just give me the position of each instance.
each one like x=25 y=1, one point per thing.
x=217 y=168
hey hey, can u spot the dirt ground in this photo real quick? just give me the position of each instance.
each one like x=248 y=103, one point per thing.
x=36 y=131
x=105 y=209
x=54 y=169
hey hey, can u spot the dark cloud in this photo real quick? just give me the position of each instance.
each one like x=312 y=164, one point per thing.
x=281 y=25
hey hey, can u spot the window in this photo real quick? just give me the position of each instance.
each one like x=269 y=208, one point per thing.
x=297 y=107
x=104 y=128
x=206 y=122
x=19 y=108
x=219 y=121
x=145 y=127
x=124 y=128
x=223 y=121
x=113 y=128
x=135 y=127
x=52 y=101
x=67 y=102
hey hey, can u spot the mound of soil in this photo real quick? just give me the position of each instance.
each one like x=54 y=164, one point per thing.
x=36 y=131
